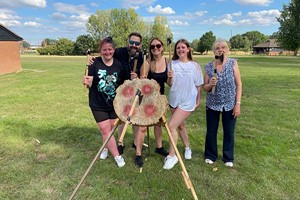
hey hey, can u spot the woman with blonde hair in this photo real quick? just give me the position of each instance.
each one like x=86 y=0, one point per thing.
x=222 y=82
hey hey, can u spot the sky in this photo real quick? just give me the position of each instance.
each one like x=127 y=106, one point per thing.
x=35 y=20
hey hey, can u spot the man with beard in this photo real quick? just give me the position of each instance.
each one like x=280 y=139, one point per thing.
x=127 y=56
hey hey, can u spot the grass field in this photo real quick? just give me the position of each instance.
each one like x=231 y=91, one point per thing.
x=48 y=138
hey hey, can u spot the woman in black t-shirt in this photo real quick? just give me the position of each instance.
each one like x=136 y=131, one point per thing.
x=104 y=76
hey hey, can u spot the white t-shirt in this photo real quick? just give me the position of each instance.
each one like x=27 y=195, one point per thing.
x=186 y=78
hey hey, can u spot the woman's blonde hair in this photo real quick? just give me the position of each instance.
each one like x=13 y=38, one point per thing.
x=220 y=41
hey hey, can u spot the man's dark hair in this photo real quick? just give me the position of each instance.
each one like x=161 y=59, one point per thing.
x=135 y=34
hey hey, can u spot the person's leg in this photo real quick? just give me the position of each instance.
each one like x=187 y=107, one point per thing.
x=105 y=128
x=177 y=118
x=158 y=135
x=158 y=140
x=135 y=130
x=228 y=122
x=212 y=124
x=139 y=139
x=183 y=134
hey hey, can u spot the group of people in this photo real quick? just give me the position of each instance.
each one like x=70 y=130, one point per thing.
x=221 y=81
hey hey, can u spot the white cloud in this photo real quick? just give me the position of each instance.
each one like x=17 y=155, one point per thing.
x=179 y=23
x=197 y=14
x=69 y=8
x=94 y=4
x=32 y=24
x=200 y=13
x=136 y=4
x=236 y=14
x=264 y=13
x=19 y=3
x=264 y=17
x=58 y=15
x=225 y=22
x=255 y=2
x=159 y=10
x=7 y=18
x=81 y=18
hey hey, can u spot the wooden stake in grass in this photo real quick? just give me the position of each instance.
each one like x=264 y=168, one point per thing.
x=169 y=42
x=116 y=124
x=184 y=173
x=88 y=52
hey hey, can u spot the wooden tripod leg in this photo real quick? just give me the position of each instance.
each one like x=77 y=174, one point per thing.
x=128 y=119
x=184 y=173
x=116 y=124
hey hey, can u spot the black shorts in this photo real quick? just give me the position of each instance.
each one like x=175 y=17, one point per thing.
x=100 y=116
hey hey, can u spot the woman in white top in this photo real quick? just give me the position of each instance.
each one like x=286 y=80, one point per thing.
x=185 y=80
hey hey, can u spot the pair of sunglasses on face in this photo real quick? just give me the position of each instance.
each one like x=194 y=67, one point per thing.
x=131 y=42
x=155 y=45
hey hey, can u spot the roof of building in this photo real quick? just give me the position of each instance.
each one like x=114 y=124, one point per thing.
x=8 y=35
x=271 y=43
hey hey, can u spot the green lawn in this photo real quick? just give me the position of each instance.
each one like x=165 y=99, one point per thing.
x=48 y=138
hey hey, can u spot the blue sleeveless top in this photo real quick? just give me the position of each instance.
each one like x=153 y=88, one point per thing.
x=225 y=91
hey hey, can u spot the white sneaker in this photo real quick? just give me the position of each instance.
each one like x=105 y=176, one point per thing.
x=229 y=164
x=170 y=162
x=209 y=161
x=188 y=153
x=104 y=154
x=120 y=161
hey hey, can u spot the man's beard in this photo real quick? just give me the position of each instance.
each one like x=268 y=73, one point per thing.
x=132 y=50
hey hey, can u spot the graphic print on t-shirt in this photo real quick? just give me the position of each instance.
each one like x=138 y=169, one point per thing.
x=107 y=84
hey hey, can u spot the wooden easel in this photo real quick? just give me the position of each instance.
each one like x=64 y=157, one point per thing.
x=184 y=173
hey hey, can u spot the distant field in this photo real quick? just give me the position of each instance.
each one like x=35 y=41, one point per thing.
x=48 y=138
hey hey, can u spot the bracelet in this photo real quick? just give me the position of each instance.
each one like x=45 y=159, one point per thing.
x=238 y=102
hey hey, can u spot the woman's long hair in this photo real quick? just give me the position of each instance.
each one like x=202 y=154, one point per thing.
x=189 y=55
x=152 y=63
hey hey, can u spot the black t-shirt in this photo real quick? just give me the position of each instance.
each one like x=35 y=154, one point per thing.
x=105 y=82
x=122 y=55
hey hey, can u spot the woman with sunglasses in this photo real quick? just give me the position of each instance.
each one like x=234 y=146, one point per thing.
x=155 y=68
x=104 y=76
x=185 y=81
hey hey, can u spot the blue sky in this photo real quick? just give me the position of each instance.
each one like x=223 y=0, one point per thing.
x=35 y=20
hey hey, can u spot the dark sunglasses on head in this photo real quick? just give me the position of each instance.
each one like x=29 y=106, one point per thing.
x=155 y=45
x=131 y=42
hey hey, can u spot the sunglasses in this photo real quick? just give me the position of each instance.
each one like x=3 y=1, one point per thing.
x=155 y=45
x=131 y=42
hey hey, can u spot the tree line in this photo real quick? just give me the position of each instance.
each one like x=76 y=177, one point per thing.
x=119 y=23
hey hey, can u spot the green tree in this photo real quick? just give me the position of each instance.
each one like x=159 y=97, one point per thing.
x=253 y=38
x=239 y=42
x=25 y=44
x=98 y=24
x=161 y=29
x=117 y=23
x=83 y=43
x=206 y=41
x=273 y=36
x=194 y=44
x=63 y=47
x=289 y=30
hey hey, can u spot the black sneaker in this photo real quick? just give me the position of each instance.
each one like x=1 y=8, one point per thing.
x=162 y=151
x=121 y=149
x=138 y=161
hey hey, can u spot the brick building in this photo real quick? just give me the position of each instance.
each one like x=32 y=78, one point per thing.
x=9 y=51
